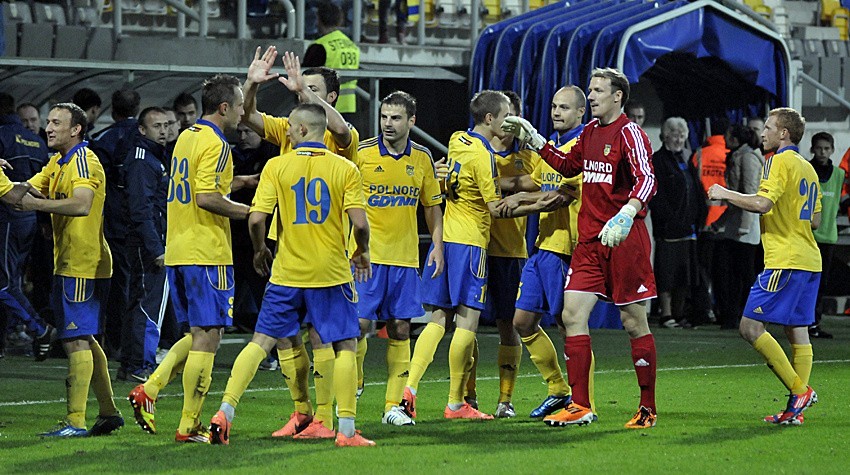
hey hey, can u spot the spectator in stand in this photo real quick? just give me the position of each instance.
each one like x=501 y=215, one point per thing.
x=90 y=102
x=678 y=212
x=336 y=51
x=831 y=180
x=738 y=229
x=399 y=7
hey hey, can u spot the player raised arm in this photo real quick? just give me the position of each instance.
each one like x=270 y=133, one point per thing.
x=568 y=164
x=258 y=72
x=294 y=82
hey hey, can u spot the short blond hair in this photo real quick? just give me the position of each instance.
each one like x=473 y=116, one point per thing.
x=791 y=120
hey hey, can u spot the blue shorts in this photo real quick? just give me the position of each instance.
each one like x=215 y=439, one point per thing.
x=502 y=287
x=784 y=296
x=464 y=281
x=331 y=310
x=202 y=295
x=76 y=303
x=541 y=289
x=392 y=292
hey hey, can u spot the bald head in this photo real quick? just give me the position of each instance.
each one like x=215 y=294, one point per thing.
x=568 y=107
x=307 y=123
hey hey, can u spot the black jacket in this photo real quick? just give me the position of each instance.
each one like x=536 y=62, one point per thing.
x=679 y=207
x=146 y=172
x=27 y=154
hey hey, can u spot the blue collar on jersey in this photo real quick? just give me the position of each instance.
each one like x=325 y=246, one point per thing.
x=793 y=148
x=482 y=139
x=65 y=158
x=513 y=149
x=214 y=127
x=383 y=148
x=568 y=135
x=311 y=145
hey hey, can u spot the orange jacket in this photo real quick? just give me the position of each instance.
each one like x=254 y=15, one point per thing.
x=710 y=162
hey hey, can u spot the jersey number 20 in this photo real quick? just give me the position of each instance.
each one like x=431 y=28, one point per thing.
x=317 y=195
x=810 y=191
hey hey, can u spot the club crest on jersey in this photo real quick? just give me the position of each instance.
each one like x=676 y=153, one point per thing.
x=410 y=170
x=518 y=164
x=606 y=150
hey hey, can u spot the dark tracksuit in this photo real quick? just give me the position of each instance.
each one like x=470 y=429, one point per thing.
x=111 y=145
x=147 y=186
x=27 y=154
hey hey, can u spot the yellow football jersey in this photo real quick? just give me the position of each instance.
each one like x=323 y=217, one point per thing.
x=201 y=163
x=507 y=236
x=790 y=182
x=558 y=231
x=276 y=128
x=79 y=248
x=5 y=184
x=472 y=182
x=394 y=185
x=310 y=189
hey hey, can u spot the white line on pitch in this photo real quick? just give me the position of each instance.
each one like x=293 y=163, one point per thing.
x=486 y=378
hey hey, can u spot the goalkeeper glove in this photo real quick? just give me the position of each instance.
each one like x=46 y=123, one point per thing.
x=523 y=131
x=617 y=228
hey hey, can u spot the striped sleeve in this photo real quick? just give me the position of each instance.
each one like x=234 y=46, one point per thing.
x=211 y=164
x=639 y=152
x=84 y=177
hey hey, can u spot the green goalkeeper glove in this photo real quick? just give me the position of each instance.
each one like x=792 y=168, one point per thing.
x=523 y=131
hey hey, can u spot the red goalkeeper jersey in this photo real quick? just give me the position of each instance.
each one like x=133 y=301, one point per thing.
x=616 y=162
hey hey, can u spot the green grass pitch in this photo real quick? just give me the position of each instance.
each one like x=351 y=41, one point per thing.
x=713 y=391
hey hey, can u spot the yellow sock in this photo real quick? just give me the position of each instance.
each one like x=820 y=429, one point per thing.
x=801 y=359
x=345 y=383
x=80 y=368
x=398 y=368
x=545 y=358
x=508 y=360
x=100 y=382
x=590 y=382
x=197 y=377
x=295 y=367
x=167 y=370
x=362 y=346
x=244 y=369
x=423 y=353
x=460 y=355
x=776 y=360
x=470 y=381
x=323 y=378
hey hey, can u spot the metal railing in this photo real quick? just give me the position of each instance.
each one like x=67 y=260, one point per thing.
x=295 y=28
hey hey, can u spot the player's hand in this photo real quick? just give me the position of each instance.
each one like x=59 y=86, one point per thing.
x=16 y=194
x=6 y=165
x=553 y=201
x=293 y=80
x=160 y=261
x=27 y=202
x=716 y=192
x=35 y=193
x=362 y=265
x=262 y=261
x=441 y=169
x=436 y=258
x=260 y=69
x=245 y=181
x=523 y=131
x=617 y=228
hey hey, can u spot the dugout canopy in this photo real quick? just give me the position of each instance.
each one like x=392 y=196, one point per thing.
x=701 y=58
